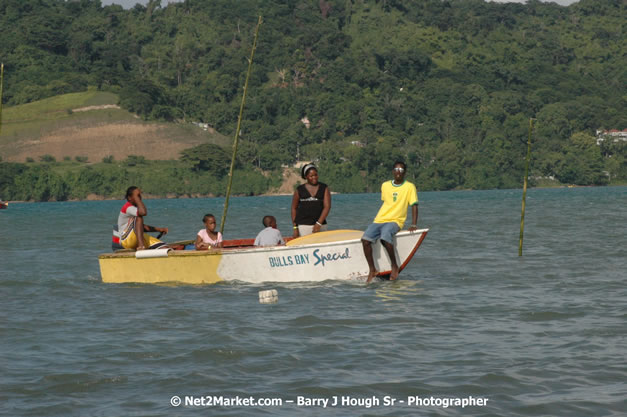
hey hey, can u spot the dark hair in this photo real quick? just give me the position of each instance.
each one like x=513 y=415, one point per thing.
x=306 y=168
x=206 y=216
x=129 y=191
x=266 y=220
x=400 y=163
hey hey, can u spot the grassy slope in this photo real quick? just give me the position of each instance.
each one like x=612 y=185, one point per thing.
x=53 y=126
x=20 y=120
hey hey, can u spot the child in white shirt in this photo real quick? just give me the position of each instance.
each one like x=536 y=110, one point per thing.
x=270 y=236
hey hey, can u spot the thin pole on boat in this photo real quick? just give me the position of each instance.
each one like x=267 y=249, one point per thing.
x=524 y=196
x=239 y=123
x=1 y=83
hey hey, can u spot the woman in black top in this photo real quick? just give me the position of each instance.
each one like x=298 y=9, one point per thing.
x=311 y=203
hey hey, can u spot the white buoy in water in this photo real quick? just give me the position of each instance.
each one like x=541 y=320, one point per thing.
x=268 y=297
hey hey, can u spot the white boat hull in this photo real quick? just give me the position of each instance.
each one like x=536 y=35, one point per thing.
x=333 y=260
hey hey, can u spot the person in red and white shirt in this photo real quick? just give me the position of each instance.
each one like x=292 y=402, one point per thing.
x=131 y=223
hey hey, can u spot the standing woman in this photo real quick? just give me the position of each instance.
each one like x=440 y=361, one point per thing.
x=311 y=203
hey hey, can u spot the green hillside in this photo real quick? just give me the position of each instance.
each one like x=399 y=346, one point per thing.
x=66 y=114
x=447 y=85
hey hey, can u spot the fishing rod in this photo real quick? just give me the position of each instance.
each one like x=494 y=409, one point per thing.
x=239 y=123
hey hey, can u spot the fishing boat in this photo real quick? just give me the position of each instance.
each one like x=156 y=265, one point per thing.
x=3 y=205
x=331 y=255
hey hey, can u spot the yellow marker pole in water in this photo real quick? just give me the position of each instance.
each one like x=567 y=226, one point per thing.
x=1 y=83
x=524 y=196
x=239 y=122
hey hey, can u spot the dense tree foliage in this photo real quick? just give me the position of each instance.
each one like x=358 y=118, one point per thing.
x=72 y=180
x=447 y=85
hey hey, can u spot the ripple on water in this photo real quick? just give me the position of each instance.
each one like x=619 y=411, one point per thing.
x=538 y=335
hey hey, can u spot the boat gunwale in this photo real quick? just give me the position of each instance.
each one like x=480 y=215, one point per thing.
x=249 y=249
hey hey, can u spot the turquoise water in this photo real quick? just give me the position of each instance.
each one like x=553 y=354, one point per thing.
x=544 y=334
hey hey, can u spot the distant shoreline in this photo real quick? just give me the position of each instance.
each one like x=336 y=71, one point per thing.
x=94 y=197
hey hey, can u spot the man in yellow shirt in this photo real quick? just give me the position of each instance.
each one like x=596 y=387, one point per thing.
x=396 y=195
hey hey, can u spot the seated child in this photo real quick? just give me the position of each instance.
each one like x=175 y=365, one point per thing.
x=270 y=236
x=208 y=237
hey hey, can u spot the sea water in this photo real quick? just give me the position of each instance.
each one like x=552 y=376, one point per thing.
x=470 y=328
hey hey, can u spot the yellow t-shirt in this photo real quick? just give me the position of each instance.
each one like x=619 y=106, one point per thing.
x=396 y=199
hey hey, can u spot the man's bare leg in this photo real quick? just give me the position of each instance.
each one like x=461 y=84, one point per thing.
x=139 y=232
x=372 y=272
x=390 y=250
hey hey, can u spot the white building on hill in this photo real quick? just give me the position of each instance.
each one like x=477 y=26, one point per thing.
x=612 y=134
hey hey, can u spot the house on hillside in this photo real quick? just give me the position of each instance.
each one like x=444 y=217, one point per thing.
x=613 y=134
x=203 y=126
